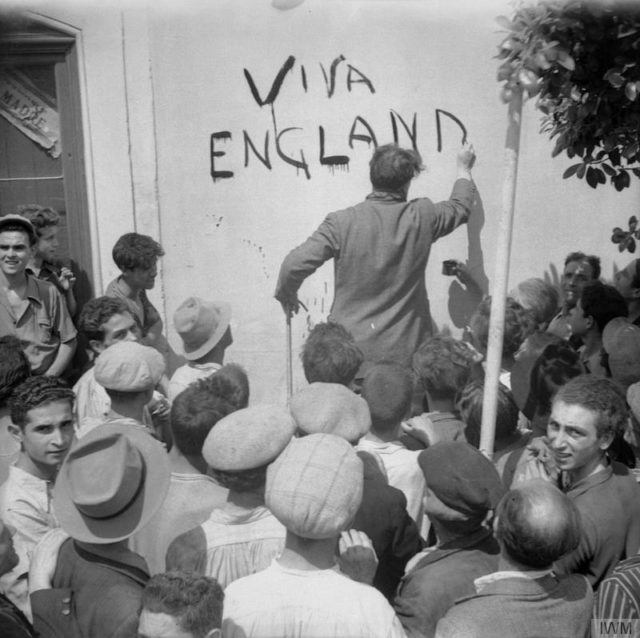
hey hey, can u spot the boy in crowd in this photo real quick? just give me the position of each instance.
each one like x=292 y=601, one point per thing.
x=330 y=355
x=103 y=322
x=192 y=495
x=387 y=388
x=587 y=415
x=243 y=536
x=314 y=489
x=463 y=487
x=598 y=304
x=43 y=262
x=137 y=258
x=42 y=423
x=129 y=372
x=32 y=309
x=204 y=329
x=443 y=367
x=182 y=605
x=330 y=408
x=110 y=485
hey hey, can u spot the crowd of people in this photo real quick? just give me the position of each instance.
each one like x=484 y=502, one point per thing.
x=137 y=500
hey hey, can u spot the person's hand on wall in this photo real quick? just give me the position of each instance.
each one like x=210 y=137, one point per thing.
x=466 y=158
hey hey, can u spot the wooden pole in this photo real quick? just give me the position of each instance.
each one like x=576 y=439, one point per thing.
x=500 y=282
x=289 y=360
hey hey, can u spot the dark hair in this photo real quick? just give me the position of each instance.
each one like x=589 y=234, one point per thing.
x=592 y=260
x=391 y=167
x=41 y=217
x=469 y=404
x=241 y=480
x=14 y=366
x=199 y=407
x=96 y=312
x=537 y=524
x=603 y=303
x=518 y=325
x=237 y=375
x=388 y=389
x=557 y=363
x=598 y=395
x=133 y=251
x=330 y=354
x=195 y=601
x=17 y=227
x=35 y=392
x=443 y=366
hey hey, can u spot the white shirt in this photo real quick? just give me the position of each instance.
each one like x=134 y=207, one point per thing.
x=291 y=603
x=189 y=373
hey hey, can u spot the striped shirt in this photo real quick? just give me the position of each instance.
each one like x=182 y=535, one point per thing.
x=619 y=594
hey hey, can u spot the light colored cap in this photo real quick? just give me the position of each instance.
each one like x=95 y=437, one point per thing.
x=314 y=488
x=621 y=341
x=331 y=408
x=201 y=324
x=129 y=366
x=248 y=438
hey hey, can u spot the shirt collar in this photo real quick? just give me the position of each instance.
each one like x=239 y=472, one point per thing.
x=387 y=196
x=483 y=581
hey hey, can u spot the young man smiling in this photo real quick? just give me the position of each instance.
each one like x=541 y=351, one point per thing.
x=42 y=423
x=31 y=309
x=587 y=415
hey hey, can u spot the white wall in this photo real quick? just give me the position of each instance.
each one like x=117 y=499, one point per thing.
x=160 y=82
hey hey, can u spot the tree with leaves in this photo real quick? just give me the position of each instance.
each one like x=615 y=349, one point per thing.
x=582 y=61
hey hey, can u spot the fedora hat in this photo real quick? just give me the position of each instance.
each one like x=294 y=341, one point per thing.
x=201 y=324
x=111 y=483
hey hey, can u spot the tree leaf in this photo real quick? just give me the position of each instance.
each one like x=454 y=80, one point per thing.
x=505 y=23
x=631 y=245
x=571 y=170
x=580 y=171
x=608 y=170
x=592 y=180
x=631 y=91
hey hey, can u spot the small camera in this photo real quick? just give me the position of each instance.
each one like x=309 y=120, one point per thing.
x=449 y=267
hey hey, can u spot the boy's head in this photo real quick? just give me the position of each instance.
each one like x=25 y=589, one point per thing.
x=539 y=298
x=105 y=321
x=14 y=366
x=598 y=304
x=137 y=257
x=388 y=389
x=443 y=366
x=45 y=221
x=42 y=422
x=330 y=355
x=518 y=324
x=469 y=404
x=181 y=604
x=200 y=406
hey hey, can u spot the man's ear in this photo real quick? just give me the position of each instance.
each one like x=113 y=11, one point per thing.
x=214 y=633
x=605 y=441
x=635 y=293
x=16 y=432
x=590 y=321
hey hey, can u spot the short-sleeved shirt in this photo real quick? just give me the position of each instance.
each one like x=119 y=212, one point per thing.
x=42 y=324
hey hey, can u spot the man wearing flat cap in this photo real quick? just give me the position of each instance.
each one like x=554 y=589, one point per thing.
x=243 y=536
x=314 y=489
x=110 y=484
x=463 y=487
x=331 y=408
x=129 y=372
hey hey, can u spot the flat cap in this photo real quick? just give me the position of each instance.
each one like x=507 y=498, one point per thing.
x=129 y=366
x=314 y=488
x=461 y=477
x=331 y=408
x=248 y=438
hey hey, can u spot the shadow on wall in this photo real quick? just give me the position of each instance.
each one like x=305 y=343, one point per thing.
x=464 y=298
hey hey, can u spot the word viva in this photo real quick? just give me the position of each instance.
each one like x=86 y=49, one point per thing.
x=274 y=145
